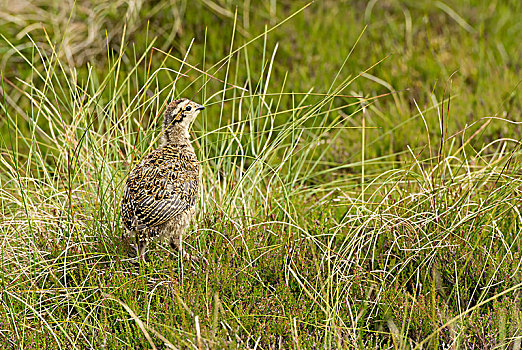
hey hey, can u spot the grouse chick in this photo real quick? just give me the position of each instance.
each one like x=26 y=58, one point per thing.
x=161 y=192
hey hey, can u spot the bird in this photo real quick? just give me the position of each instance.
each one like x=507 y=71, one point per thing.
x=160 y=194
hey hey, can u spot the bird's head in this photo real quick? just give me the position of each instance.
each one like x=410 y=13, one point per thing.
x=179 y=115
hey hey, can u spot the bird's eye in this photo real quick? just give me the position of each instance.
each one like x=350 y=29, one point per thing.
x=188 y=108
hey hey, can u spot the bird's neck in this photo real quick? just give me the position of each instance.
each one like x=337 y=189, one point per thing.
x=175 y=136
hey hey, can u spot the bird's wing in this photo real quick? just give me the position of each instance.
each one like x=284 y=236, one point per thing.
x=151 y=211
x=153 y=195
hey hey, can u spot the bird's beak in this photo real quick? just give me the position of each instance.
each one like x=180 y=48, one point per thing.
x=200 y=107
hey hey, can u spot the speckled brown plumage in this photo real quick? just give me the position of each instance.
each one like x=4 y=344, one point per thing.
x=161 y=192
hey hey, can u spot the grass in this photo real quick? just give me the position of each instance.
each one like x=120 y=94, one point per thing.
x=360 y=169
